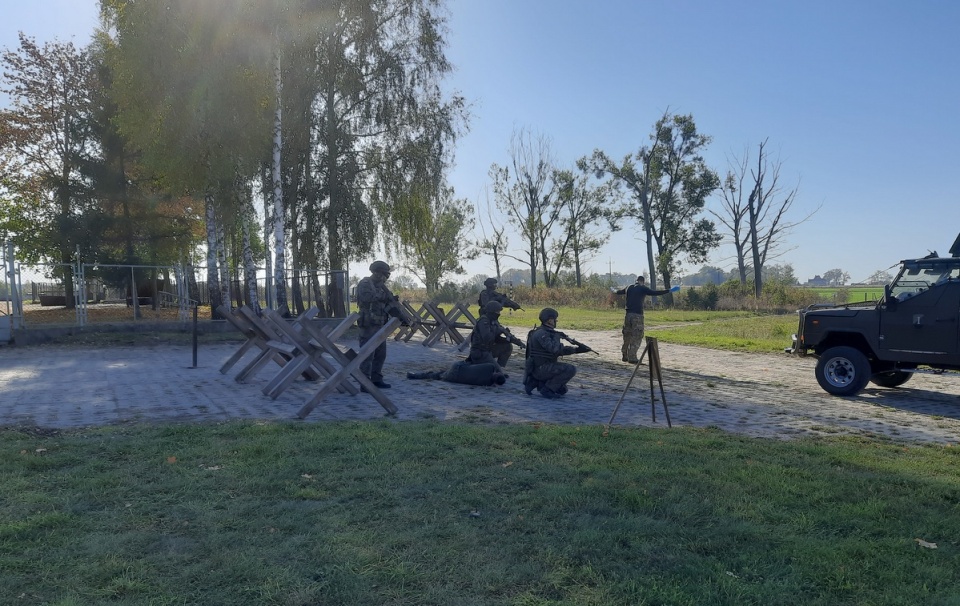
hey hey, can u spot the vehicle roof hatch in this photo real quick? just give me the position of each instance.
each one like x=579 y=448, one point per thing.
x=955 y=249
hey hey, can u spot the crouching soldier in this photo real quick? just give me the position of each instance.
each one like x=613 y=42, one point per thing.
x=542 y=371
x=490 y=341
x=466 y=373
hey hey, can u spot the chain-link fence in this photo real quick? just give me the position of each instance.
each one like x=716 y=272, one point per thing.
x=33 y=295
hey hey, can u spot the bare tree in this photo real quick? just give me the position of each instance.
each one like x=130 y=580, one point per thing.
x=496 y=243
x=524 y=192
x=759 y=224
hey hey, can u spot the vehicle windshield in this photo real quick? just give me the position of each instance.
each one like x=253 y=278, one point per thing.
x=917 y=276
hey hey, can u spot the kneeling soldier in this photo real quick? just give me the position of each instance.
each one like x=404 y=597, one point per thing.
x=542 y=370
x=490 y=341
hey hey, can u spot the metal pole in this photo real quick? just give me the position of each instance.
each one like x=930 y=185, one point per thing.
x=195 y=336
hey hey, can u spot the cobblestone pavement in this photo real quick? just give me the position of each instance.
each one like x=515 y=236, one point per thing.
x=760 y=395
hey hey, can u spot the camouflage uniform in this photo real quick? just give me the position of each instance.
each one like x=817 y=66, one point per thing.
x=490 y=294
x=490 y=341
x=466 y=373
x=633 y=322
x=376 y=302
x=542 y=371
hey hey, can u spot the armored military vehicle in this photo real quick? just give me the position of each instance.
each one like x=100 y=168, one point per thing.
x=914 y=328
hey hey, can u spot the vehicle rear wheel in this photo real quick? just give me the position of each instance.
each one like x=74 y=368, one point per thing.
x=891 y=378
x=843 y=371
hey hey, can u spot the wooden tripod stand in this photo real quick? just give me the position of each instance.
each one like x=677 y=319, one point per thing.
x=655 y=370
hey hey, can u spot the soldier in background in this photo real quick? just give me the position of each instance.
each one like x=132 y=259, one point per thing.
x=376 y=302
x=633 y=321
x=490 y=294
x=490 y=341
x=542 y=370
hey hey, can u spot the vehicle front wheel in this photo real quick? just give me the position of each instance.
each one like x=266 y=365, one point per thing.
x=891 y=378
x=843 y=371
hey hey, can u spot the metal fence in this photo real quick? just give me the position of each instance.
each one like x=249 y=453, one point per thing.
x=144 y=292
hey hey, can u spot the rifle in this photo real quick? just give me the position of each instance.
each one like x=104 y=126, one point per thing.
x=573 y=341
x=395 y=309
x=511 y=338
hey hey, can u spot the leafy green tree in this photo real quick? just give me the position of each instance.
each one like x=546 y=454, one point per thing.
x=44 y=139
x=194 y=92
x=381 y=113
x=669 y=182
x=836 y=277
x=432 y=235
x=585 y=207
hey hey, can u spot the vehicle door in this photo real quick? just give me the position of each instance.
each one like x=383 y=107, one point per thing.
x=926 y=323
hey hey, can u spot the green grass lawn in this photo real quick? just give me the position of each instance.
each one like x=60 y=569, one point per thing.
x=854 y=293
x=428 y=513
x=732 y=330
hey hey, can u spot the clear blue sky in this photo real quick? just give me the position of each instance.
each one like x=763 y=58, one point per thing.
x=858 y=98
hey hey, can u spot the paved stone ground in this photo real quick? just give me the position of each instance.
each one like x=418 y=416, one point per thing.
x=758 y=395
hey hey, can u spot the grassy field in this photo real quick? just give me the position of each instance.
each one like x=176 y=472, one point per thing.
x=425 y=513
x=731 y=330
x=854 y=293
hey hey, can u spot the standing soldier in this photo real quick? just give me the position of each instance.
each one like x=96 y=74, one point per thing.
x=490 y=294
x=542 y=370
x=633 y=321
x=376 y=302
x=490 y=341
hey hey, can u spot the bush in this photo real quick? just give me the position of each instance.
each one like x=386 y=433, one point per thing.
x=705 y=297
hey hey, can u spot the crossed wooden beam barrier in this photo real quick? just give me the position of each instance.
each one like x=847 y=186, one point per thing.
x=311 y=352
x=351 y=367
x=303 y=347
x=434 y=323
x=270 y=344
x=420 y=321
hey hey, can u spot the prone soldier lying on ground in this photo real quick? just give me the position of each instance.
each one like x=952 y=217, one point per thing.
x=466 y=373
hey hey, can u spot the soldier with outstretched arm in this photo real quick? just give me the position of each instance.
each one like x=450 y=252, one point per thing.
x=633 y=321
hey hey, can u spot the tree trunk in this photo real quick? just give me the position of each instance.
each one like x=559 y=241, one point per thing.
x=249 y=267
x=213 y=280
x=267 y=223
x=279 y=252
x=334 y=189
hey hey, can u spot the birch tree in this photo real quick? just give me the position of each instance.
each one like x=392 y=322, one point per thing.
x=194 y=94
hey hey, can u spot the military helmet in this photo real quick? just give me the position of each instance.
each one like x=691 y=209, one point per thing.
x=380 y=267
x=492 y=307
x=546 y=313
x=490 y=282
